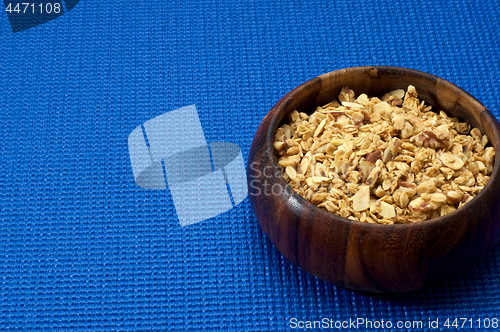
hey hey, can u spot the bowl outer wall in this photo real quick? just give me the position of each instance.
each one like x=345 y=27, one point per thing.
x=362 y=256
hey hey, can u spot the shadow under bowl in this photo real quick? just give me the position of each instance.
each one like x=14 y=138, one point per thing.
x=364 y=256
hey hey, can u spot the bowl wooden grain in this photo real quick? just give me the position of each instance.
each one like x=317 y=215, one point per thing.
x=363 y=256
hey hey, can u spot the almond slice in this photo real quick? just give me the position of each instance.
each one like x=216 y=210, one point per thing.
x=451 y=161
x=361 y=200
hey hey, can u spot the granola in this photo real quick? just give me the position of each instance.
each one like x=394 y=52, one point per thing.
x=389 y=160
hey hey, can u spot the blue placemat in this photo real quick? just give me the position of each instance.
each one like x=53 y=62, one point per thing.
x=82 y=247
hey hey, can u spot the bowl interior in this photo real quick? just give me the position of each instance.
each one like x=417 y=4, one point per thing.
x=376 y=81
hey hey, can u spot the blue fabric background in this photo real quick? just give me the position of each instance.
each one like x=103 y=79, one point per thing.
x=83 y=248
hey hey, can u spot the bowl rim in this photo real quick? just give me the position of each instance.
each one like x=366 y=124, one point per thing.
x=277 y=113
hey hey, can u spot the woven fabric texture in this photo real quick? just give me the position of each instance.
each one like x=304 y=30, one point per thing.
x=83 y=248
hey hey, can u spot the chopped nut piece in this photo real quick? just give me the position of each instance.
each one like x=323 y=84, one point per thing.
x=480 y=166
x=387 y=211
x=365 y=167
x=319 y=179
x=407 y=131
x=289 y=160
x=345 y=167
x=438 y=198
x=404 y=199
x=373 y=177
x=484 y=140
x=418 y=204
x=379 y=192
x=288 y=131
x=290 y=171
x=361 y=200
x=476 y=133
x=337 y=142
x=318 y=198
x=428 y=186
x=322 y=148
x=453 y=197
x=304 y=164
x=372 y=157
x=353 y=106
x=399 y=93
x=451 y=161
x=387 y=155
x=293 y=150
x=386 y=185
x=398 y=122
x=427 y=139
x=320 y=128
x=381 y=108
x=375 y=206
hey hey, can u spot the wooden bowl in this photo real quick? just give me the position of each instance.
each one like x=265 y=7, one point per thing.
x=363 y=256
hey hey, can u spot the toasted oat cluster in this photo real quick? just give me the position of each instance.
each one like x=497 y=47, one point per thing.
x=389 y=160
